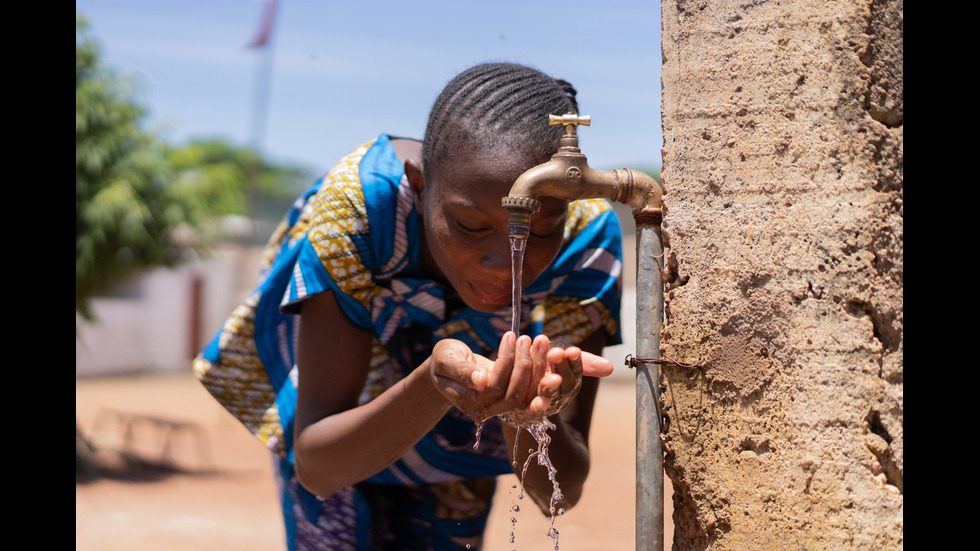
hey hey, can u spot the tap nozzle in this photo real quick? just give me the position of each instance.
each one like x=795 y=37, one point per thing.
x=519 y=220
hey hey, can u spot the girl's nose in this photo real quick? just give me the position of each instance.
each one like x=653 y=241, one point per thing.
x=498 y=262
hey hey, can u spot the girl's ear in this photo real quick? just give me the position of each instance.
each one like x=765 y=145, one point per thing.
x=413 y=171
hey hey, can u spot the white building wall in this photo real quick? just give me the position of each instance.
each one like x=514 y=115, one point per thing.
x=149 y=329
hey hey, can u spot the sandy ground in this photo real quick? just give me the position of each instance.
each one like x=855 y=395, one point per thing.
x=222 y=494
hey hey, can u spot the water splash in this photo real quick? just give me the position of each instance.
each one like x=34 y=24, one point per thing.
x=479 y=432
x=539 y=430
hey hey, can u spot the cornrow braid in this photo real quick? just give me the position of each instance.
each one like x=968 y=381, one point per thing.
x=498 y=106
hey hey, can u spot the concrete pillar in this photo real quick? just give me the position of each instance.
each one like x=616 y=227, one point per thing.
x=783 y=168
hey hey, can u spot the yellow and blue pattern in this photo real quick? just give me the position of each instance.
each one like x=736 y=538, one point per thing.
x=356 y=233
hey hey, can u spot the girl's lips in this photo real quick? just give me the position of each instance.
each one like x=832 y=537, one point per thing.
x=491 y=295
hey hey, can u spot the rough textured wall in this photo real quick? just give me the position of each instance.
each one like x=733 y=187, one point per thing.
x=783 y=166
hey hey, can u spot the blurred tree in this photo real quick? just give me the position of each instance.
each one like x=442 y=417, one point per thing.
x=140 y=204
x=124 y=214
x=215 y=176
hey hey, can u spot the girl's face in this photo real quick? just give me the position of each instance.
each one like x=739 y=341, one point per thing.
x=465 y=242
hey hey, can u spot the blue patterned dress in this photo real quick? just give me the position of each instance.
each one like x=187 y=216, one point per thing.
x=356 y=233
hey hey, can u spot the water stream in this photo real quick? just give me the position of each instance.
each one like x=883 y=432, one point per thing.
x=517 y=279
x=537 y=428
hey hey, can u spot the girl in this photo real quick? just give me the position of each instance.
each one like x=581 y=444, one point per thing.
x=375 y=356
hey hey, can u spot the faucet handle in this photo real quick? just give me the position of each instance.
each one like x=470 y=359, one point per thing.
x=569 y=119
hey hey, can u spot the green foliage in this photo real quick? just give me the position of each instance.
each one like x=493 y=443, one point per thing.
x=134 y=195
x=211 y=178
x=216 y=178
x=122 y=209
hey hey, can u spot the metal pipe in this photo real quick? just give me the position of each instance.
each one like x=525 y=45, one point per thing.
x=649 y=446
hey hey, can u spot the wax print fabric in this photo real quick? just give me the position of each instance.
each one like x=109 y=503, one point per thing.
x=356 y=233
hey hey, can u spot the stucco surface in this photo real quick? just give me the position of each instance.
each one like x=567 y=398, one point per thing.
x=783 y=170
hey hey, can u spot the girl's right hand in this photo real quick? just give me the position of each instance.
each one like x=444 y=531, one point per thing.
x=460 y=376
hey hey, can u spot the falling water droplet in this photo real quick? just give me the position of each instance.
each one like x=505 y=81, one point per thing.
x=479 y=432
x=553 y=533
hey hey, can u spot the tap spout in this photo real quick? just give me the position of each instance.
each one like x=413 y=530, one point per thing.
x=567 y=176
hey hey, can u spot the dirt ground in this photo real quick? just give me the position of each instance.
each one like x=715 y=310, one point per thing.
x=220 y=493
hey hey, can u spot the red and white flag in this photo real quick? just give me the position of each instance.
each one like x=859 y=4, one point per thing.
x=265 y=28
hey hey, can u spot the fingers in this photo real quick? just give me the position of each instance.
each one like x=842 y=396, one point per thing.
x=517 y=372
x=521 y=375
x=540 y=404
x=525 y=364
x=580 y=362
x=458 y=369
x=539 y=364
x=503 y=365
x=526 y=375
x=595 y=366
x=573 y=355
x=549 y=389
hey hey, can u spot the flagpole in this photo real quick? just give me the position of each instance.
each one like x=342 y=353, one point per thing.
x=261 y=92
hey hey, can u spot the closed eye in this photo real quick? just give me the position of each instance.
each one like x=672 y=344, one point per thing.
x=550 y=233
x=468 y=229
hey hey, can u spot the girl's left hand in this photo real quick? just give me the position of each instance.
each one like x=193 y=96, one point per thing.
x=542 y=380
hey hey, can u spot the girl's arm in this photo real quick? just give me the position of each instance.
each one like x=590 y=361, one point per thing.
x=339 y=443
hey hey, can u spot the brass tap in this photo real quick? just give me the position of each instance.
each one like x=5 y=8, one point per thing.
x=567 y=176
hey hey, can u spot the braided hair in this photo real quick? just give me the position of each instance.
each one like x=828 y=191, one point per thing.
x=497 y=106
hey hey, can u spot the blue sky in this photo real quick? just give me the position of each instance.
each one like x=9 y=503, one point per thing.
x=340 y=73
